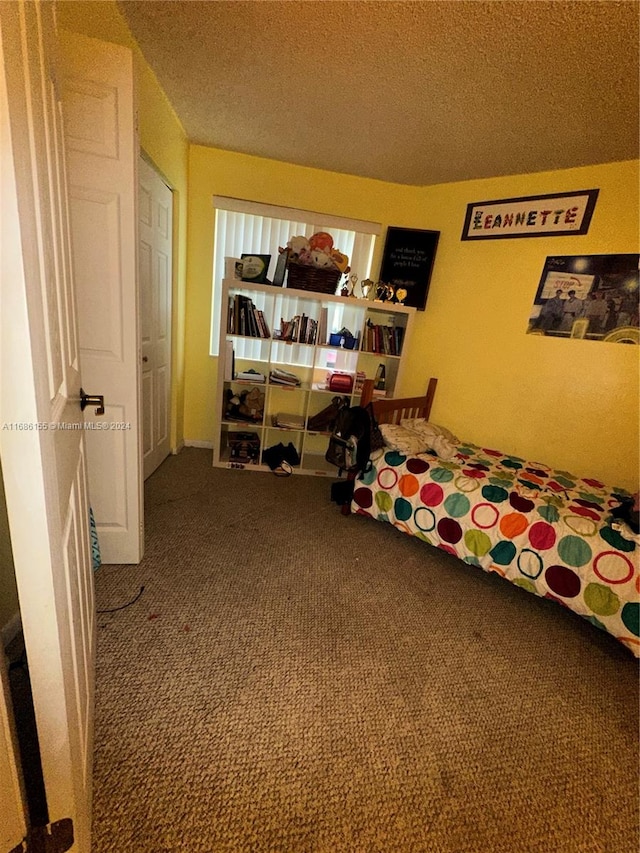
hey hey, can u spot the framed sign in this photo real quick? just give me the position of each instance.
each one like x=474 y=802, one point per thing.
x=407 y=262
x=530 y=216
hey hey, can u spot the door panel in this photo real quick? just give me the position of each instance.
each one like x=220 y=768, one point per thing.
x=43 y=452
x=102 y=148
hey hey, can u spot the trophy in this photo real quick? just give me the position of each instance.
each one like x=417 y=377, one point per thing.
x=365 y=287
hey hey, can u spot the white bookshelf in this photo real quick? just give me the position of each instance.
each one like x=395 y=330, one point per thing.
x=310 y=361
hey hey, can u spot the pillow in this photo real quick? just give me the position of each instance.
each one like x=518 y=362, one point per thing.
x=427 y=429
x=443 y=447
x=399 y=438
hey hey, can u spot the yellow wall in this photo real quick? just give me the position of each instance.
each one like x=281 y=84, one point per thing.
x=570 y=403
x=163 y=139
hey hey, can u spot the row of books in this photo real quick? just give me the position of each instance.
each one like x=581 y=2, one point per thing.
x=245 y=319
x=301 y=329
x=383 y=339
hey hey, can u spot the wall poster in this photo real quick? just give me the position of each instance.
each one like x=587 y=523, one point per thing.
x=594 y=297
x=407 y=263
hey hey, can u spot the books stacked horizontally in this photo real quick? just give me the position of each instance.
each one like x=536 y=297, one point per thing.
x=244 y=318
x=250 y=375
x=285 y=420
x=283 y=377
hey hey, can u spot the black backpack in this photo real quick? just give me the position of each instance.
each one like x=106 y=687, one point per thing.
x=350 y=443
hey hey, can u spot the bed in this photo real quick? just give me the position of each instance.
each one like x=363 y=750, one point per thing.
x=547 y=531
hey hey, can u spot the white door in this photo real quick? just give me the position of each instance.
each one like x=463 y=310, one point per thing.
x=42 y=439
x=102 y=152
x=155 y=201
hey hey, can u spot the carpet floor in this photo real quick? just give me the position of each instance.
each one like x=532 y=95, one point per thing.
x=297 y=681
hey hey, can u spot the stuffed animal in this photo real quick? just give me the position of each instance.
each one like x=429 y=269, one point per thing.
x=321 y=259
x=321 y=240
x=248 y=406
x=252 y=404
x=298 y=245
x=340 y=260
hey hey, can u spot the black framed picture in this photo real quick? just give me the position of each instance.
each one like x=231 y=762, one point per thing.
x=254 y=267
x=548 y=215
x=407 y=262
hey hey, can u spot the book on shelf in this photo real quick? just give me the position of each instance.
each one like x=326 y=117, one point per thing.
x=244 y=318
x=322 y=325
x=250 y=376
x=386 y=340
x=229 y=362
x=301 y=329
x=278 y=376
x=284 y=420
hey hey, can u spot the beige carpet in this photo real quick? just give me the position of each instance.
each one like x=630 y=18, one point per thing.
x=295 y=681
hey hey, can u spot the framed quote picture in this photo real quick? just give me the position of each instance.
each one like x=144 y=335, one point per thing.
x=407 y=262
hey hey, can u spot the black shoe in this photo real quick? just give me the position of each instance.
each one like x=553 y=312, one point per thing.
x=273 y=456
x=291 y=454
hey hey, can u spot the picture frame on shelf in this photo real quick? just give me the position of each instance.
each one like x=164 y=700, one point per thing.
x=281 y=268
x=255 y=267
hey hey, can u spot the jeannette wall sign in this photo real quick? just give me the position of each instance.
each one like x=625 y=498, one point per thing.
x=530 y=216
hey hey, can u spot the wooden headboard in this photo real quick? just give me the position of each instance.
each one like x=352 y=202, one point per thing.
x=390 y=411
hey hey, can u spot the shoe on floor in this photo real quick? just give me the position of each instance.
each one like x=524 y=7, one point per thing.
x=291 y=454
x=283 y=469
x=273 y=456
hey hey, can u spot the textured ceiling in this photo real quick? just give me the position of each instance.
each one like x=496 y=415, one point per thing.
x=410 y=92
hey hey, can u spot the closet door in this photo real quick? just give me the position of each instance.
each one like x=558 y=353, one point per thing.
x=155 y=201
x=100 y=133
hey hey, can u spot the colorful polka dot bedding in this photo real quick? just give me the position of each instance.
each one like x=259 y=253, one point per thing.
x=544 y=530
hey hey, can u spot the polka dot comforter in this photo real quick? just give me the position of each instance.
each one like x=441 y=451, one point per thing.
x=544 y=530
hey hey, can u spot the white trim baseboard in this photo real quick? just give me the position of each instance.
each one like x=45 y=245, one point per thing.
x=191 y=442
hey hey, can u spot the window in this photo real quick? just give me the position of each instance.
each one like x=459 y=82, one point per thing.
x=242 y=226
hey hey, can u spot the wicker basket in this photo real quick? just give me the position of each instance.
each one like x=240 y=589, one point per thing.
x=303 y=277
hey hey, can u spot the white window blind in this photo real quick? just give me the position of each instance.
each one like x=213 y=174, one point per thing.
x=248 y=227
